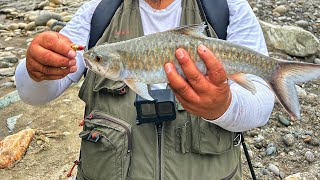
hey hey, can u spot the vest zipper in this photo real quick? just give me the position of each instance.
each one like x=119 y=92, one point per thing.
x=128 y=133
x=159 y=133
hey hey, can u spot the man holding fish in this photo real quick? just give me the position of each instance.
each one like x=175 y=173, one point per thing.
x=202 y=142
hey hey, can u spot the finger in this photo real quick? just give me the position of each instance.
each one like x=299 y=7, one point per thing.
x=59 y=44
x=34 y=66
x=196 y=79
x=42 y=77
x=216 y=72
x=48 y=57
x=178 y=84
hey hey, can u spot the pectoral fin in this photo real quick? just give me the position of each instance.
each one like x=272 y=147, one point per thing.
x=140 y=88
x=243 y=81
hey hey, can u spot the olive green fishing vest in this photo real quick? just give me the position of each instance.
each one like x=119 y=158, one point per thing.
x=113 y=147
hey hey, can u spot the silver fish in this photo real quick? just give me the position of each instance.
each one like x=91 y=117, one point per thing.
x=140 y=61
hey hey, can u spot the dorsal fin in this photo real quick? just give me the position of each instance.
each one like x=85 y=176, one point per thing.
x=191 y=30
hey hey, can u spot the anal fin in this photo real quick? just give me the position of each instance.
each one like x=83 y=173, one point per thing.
x=243 y=81
x=140 y=88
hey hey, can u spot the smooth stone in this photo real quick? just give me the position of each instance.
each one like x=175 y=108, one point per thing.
x=45 y=16
x=30 y=26
x=316 y=61
x=22 y=25
x=7 y=71
x=281 y=9
x=13 y=26
x=302 y=23
x=7 y=85
x=283 y=120
x=309 y=156
x=271 y=150
x=274 y=169
x=288 y=139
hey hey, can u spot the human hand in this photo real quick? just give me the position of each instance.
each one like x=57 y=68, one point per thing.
x=50 y=57
x=206 y=96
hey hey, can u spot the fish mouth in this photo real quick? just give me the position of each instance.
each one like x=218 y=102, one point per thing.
x=87 y=63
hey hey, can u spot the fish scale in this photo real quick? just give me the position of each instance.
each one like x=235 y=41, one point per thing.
x=140 y=61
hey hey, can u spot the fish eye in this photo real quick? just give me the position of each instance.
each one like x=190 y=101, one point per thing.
x=98 y=58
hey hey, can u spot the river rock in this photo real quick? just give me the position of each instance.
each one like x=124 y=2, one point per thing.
x=292 y=40
x=302 y=23
x=57 y=2
x=7 y=72
x=30 y=26
x=8 y=57
x=67 y=18
x=316 y=61
x=301 y=176
x=22 y=25
x=281 y=9
x=45 y=16
x=42 y=5
x=13 y=26
x=309 y=156
x=288 y=139
x=273 y=168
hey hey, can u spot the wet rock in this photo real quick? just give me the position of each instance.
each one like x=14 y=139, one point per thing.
x=309 y=156
x=45 y=16
x=274 y=169
x=292 y=40
x=11 y=122
x=301 y=176
x=9 y=99
x=288 y=139
x=13 y=26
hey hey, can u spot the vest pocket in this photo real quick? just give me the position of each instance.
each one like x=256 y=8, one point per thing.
x=208 y=138
x=105 y=148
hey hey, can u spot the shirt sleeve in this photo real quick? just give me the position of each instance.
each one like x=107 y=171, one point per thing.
x=246 y=110
x=77 y=30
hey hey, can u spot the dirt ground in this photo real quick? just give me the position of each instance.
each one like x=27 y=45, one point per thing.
x=51 y=158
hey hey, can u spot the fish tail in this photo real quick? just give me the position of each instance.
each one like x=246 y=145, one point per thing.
x=283 y=83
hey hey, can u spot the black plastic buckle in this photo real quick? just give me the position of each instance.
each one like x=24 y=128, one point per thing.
x=93 y=139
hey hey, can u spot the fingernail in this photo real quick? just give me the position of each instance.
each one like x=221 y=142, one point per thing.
x=202 y=48
x=73 y=69
x=72 y=54
x=179 y=54
x=168 y=68
x=72 y=63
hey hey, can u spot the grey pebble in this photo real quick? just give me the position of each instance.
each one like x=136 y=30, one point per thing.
x=273 y=168
x=266 y=172
x=309 y=156
x=288 y=139
x=316 y=61
x=271 y=150
x=302 y=23
x=283 y=120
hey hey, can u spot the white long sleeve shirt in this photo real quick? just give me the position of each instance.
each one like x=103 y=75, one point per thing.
x=246 y=111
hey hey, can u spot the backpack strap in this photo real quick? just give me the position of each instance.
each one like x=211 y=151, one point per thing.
x=101 y=19
x=215 y=12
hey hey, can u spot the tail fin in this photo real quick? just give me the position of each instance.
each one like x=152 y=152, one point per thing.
x=283 y=83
